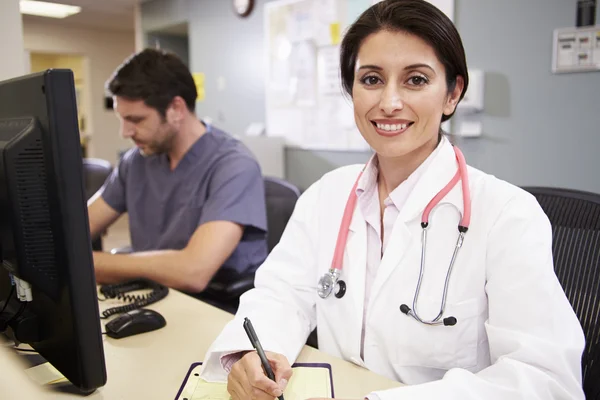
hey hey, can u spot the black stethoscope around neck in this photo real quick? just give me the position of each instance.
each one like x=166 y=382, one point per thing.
x=330 y=282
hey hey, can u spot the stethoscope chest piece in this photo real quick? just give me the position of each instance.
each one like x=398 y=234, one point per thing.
x=329 y=283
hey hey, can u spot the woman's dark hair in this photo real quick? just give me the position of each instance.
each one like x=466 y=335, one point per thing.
x=417 y=17
x=156 y=77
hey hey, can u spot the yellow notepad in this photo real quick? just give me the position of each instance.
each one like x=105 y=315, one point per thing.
x=308 y=380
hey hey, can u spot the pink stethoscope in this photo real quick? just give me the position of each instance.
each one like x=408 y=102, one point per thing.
x=331 y=280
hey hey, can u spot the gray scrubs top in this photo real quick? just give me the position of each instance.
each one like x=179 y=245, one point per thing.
x=218 y=179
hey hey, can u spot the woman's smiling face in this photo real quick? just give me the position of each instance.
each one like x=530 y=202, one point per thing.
x=400 y=93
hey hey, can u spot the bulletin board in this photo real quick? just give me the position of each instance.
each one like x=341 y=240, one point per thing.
x=576 y=49
x=305 y=103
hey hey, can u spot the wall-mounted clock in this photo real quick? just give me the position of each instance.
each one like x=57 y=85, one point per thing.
x=243 y=8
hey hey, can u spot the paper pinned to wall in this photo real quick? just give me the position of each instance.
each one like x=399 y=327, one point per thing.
x=201 y=94
x=325 y=14
x=303 y=64
x=199 y=81
x=334 y=30
x=328 y=70
x=305 y=103
x=304 y=100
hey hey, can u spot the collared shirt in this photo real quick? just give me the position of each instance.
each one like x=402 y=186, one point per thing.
x=379 y=227
x=217 y=179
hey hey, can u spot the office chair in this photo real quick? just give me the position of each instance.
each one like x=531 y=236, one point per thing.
x=280 y=198
x=575 y=219
x=95 y=173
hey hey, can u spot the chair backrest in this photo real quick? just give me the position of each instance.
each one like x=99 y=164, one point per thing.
x=95 y=172
x=575 y=219
x=281 y=197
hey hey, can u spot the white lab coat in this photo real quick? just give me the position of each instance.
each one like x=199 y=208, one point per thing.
x=517 y=336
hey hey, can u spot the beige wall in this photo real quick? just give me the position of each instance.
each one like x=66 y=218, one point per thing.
x=103 y=51
x=11 y=40
x=42 y=61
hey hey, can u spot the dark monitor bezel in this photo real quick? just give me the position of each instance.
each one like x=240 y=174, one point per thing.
x=70 y=320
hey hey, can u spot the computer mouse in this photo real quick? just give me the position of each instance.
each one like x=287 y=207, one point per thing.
x=134 y=322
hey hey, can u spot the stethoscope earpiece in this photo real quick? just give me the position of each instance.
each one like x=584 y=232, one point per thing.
x=448 y=321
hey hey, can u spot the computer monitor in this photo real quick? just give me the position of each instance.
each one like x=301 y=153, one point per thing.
x=48 y=296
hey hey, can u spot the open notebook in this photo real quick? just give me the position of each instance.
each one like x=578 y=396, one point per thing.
x=308 y=380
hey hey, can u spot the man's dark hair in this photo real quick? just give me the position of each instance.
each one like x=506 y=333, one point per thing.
x=156 y=77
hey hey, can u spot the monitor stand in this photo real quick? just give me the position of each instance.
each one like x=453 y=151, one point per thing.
x=69 y=388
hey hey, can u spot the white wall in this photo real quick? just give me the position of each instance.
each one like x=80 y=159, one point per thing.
x=11 y=40
x=137 y=25
x=104 y=52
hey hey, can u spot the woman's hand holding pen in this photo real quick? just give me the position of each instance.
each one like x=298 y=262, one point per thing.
x=247 y=379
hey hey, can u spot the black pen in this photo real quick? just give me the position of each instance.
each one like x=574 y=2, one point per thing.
x=261 y=353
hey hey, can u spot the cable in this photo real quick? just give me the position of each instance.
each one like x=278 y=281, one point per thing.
x=119 y=291
x=17 y=314
x=3 y=321
x=12 y=290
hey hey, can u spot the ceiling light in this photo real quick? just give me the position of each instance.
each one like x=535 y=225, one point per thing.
x=44 y=9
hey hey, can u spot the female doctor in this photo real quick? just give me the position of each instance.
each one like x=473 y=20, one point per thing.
x=414 y=266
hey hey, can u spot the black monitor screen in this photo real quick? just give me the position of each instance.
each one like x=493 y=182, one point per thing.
x=48 y=295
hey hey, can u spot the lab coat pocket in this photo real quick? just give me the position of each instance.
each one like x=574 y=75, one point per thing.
x=439 y=346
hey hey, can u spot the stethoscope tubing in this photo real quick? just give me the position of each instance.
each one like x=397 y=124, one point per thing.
x=331 y=281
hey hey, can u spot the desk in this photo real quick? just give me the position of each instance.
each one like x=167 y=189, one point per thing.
x=153 y=365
